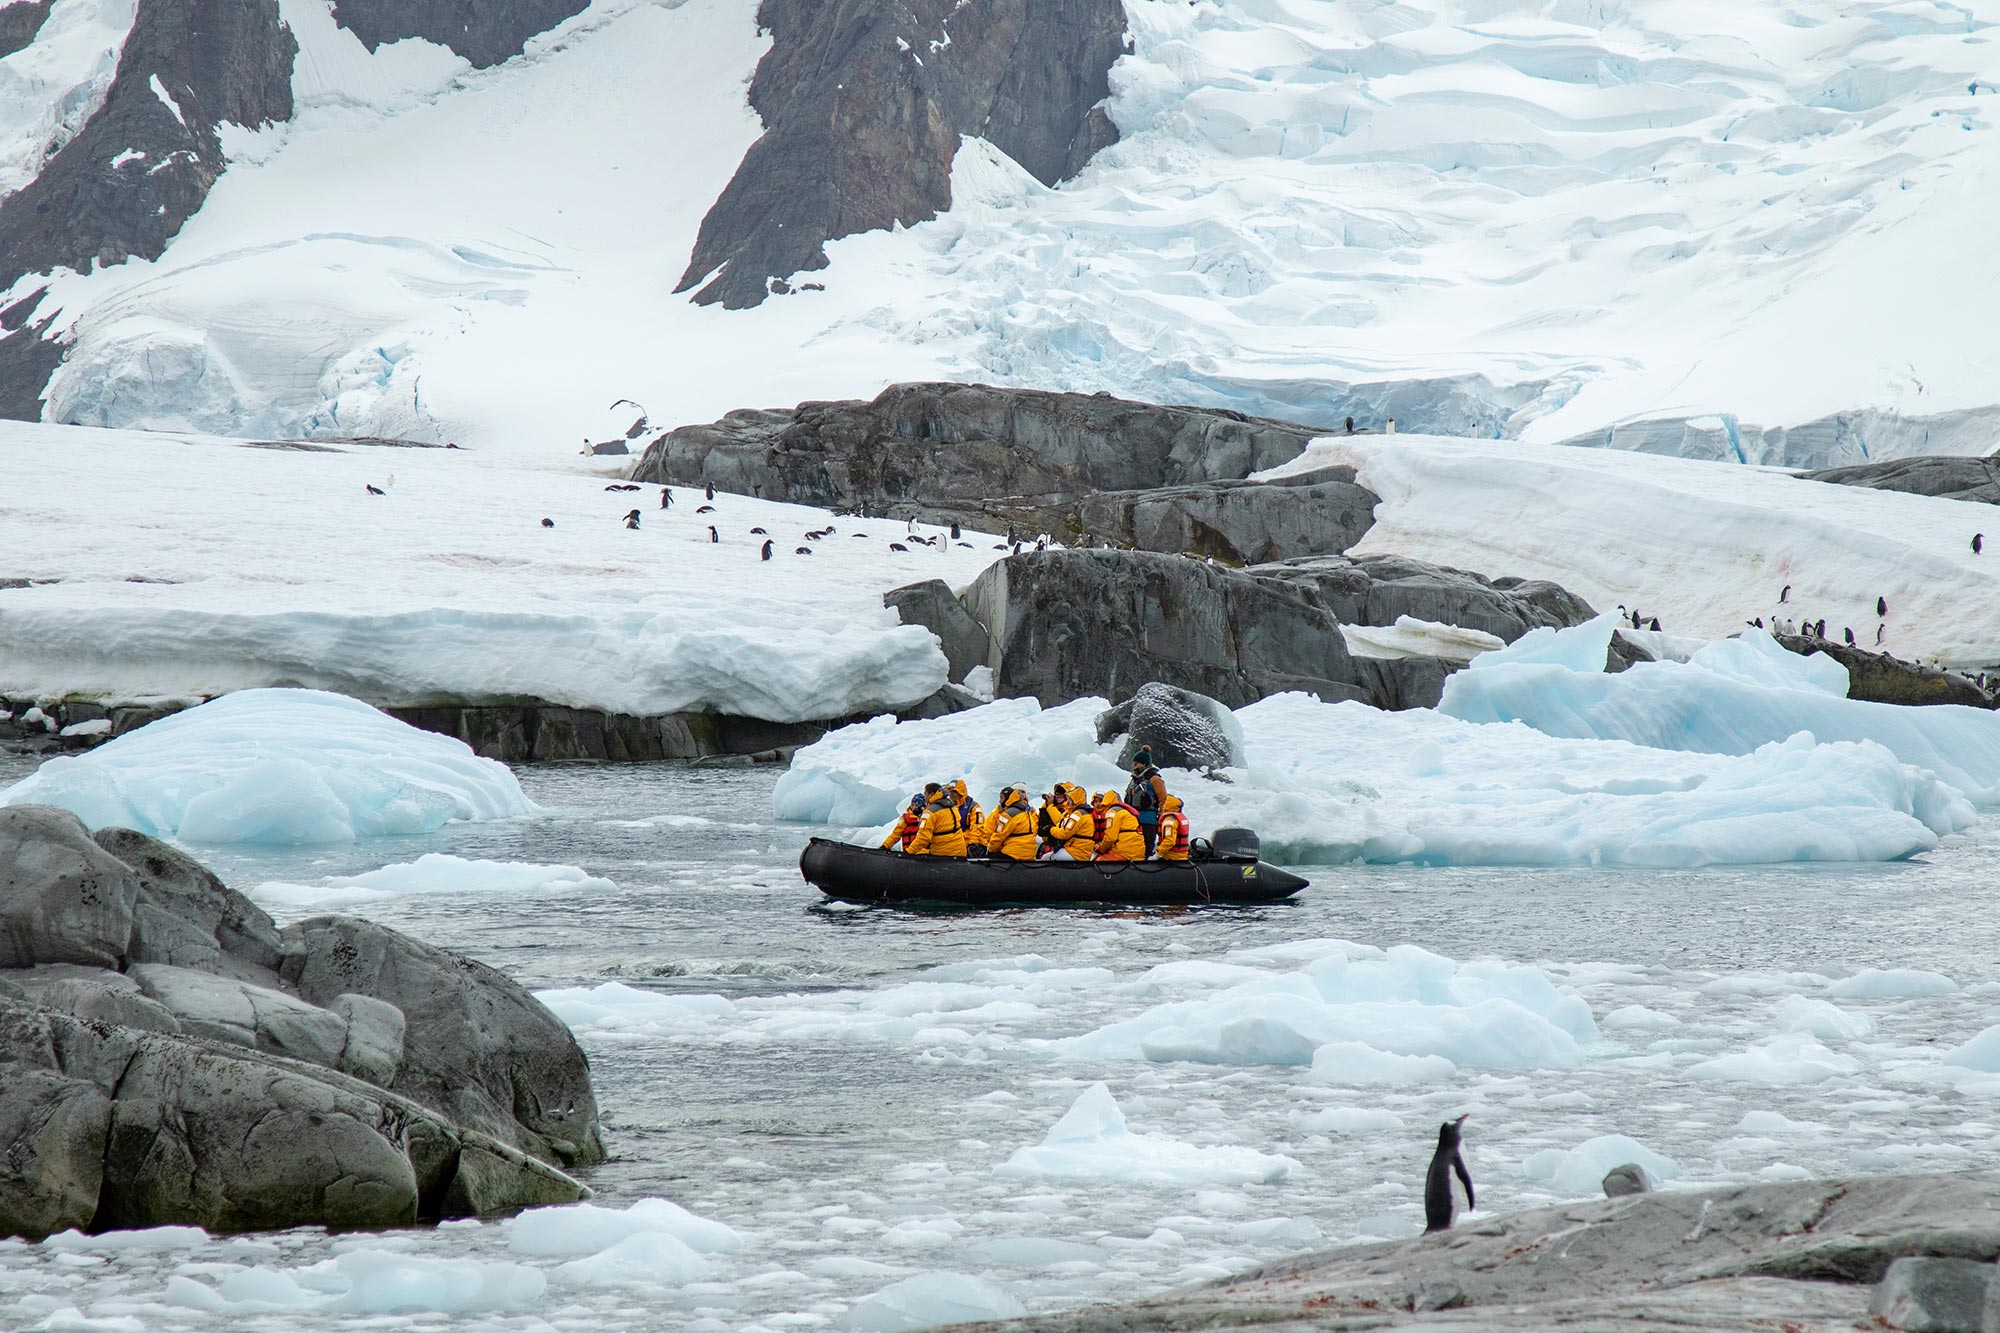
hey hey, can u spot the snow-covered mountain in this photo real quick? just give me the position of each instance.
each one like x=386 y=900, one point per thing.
x=1756 y=231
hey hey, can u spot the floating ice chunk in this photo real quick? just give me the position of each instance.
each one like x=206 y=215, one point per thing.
x=648 y=1259
x=932 y=1298
x=125 y=1242
x=276 y=766
x=1731 y=698
x=389 y=1281
x=1350 y=1063
x=1787 y=1059
x=1092 y=1142
x=1981 y=1053
x=1817 y=1018
x=69 y=1319
x=1881 y=983
x=1349 y=1120
x=1638 y=1018
x=586 y=1229
x=1581 y=1170
x=434 y=872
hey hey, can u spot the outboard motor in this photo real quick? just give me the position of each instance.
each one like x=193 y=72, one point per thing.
x=1234 y=844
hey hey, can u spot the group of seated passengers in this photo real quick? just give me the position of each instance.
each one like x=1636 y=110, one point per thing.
x=1069 y=824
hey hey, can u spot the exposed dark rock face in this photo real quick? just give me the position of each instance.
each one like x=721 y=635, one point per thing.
x=1799 y=1255
x=941 y=448
x=1182 y=729
x=173 y=1057
x=1243 y=522
x=1880 y=678
x=1376 y=589
x=1944 y=475
x=485 y=32
x=864 y=104
x=1067 y=624
x=218 y=60
x=933 y=605
x=19 y=22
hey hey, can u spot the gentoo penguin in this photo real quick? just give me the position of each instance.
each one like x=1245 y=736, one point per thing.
x=802 y=550
x=1758 y=622
x=954 y=532
x=1636 y=622
x=1440 y=1201
x=898 y=546
x=632 y=521
x=548 y=522
x=767 y=550
x=1819 y=628
x=666 y=498
x=705 y=509
x=759 y=532
x=713 y=536
x=1849 y=632
x=1878 y=634
x=711 y=490
x=966 y=545
x=1978 y=542
x=1654 y=624
x=376 y=490
x=1785 y=592
x=1881 y=606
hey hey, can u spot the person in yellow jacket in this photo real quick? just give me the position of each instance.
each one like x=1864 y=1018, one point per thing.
x=939 y=834
x=906 y=827
x=1122 y=839
x=1173 y=840
x=1075 y=832
x=1010 y=832
x=971 y=819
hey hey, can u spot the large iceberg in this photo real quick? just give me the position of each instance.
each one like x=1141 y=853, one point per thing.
x=276 y=766
x=1328 y=783
x=1731 y=697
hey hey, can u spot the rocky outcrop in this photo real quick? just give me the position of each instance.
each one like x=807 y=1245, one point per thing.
x=938 y=450
x=1885 y=679
x=933 y=605
x=485 y=32
x=175 y=1058
x=1242 y=522
x=20 y=20
x=1377 y=589
x=1951 y=477
x=1796 y=1255
x=1065 y=624
x=864 y=106
x=1182 y=729
x=143 y=164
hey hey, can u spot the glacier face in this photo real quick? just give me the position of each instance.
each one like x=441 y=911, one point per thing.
x=1658 y=225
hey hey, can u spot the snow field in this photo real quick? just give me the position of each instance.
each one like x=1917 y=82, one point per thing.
x=1745 y=754
x=212 y=567
x=277 y=766
x=1706 y=552
x=1476 y=218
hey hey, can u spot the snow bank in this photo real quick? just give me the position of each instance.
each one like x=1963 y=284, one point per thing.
x=447 y=587
x=433 y=872
x=928 y=1300
x=1706 y=551
x=1328 y=783
x=1092 y=1142
x=276 y=766
x=1732 y=697
x=1362 y=1017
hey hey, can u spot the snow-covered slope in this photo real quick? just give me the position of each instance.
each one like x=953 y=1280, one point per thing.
x=183 y=566
x=1481 y=217
x=1660 y=536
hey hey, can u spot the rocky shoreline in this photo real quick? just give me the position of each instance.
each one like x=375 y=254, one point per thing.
x=1906 y=1252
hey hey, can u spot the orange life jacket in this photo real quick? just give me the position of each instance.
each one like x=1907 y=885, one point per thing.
x=1173 y=841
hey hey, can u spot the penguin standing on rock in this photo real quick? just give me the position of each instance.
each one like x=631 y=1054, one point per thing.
x=1440 y=1200
x=1850 y=636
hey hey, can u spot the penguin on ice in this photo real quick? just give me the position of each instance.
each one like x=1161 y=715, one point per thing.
x=1878 y=634
x=711 y=490
x=767 y=550
x=632 y=519
x=376 y=490
x=548 y=522
x=1440 y=1201
x=713 y=536
x=666 y=497
x=1978 y=542
x=1785 y=592
x=1881 y=606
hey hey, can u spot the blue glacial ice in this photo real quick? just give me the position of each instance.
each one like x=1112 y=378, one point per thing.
x=276 y=766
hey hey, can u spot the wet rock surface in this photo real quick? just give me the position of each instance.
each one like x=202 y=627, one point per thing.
x=1378 y=589
x=1885 y=679
x=1242 y=522
x=1182 y=729
x=1954 y=478
x=1797 y=1255
x=865 y=105
x=175 y=1058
